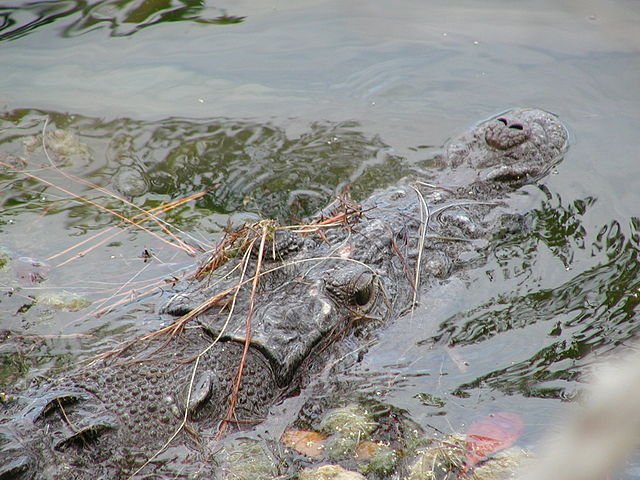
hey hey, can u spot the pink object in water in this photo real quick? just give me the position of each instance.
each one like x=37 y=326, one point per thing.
x=491 y=434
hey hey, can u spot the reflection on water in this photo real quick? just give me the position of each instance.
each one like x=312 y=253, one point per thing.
x=254 y=167
x=591 y=314
x=245 y=166
x=121 y=17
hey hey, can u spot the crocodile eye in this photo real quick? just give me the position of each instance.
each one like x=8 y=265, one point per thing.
x=363 y=296
x=363 y=289
x=357 y=288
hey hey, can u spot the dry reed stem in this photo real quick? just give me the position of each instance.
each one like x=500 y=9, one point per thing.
x=94 y=186
x=136 y=220
x=247 y=341
x=94 y=204
x=424 y=225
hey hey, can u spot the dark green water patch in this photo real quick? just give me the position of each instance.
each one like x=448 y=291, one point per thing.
x=586 y=316
x=553 y=225
x=244 y=166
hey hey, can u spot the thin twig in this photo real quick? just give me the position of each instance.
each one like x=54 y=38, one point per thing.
x=163 y=225
x=94 y=204
x=137 y=220
x=424 y=223
x=247 y=341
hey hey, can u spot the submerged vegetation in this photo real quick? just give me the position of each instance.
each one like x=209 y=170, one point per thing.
x=484 y=452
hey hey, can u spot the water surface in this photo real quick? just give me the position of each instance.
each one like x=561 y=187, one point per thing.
x=275 y=107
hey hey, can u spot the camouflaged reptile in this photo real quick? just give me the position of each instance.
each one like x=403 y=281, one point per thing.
x=319 y=285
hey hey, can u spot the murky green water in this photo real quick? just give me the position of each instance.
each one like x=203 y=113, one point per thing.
x=272 y=108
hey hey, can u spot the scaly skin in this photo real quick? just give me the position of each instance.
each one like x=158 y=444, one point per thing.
x=319 y=287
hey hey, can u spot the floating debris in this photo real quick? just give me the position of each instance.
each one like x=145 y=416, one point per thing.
x=491 y=434
x=348 y=426
x=350 y=421
x=305 y=442
x=130 y=181
x=440 y=460
x=5 y=258
x=503 y=465
x=448 y=459
x=382 y=459
x=30 y=271
x=10 y=162
x=430 y=400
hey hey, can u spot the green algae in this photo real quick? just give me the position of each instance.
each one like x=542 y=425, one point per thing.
x=247 y=459
x=66 y=301
x=329 y=472
x=5 y=258
x=348 y=426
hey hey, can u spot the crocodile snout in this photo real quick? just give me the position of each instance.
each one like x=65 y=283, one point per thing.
x=505 y=133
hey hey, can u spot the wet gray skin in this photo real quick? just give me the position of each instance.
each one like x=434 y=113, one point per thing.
x=317 y=288
x=493 y=151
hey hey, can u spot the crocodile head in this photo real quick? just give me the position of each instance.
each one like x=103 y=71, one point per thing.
x=303 y=298
x=310 y=305
x=514 y=148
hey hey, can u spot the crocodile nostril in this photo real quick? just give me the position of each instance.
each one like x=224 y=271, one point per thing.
x=506 y=132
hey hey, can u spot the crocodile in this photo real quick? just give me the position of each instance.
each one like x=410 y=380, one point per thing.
x=270 y=306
